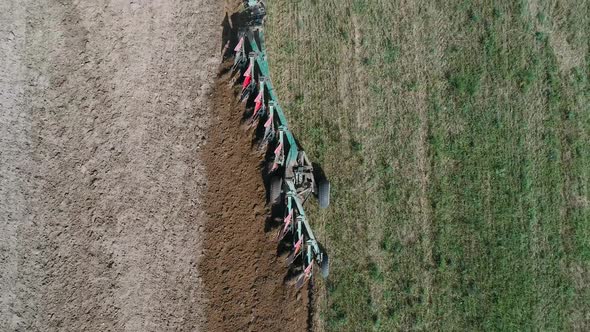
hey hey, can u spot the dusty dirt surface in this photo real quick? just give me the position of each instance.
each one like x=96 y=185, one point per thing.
x=103 y=118
x=242 y=273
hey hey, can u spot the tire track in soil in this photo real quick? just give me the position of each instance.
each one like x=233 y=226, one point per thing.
x=242 y=273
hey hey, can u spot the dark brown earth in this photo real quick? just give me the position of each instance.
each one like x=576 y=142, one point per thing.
x=242 y=274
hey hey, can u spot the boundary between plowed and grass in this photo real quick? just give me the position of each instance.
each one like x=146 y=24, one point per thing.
x=243 y=273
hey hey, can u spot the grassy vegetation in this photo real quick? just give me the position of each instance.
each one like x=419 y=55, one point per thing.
x=457 y=137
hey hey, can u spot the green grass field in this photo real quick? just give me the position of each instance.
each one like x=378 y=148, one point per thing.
x=457 y=138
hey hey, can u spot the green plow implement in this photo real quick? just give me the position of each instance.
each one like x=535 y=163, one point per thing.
x=293 y=177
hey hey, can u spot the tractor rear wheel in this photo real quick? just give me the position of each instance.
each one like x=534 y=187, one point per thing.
x=276 y=184
x=324 y=193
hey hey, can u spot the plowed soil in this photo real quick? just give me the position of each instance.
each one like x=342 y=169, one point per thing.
x=104 y=107
x=123 y=160
x=242 y=274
